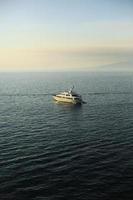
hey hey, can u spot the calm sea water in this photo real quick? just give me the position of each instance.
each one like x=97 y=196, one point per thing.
x=51 y=151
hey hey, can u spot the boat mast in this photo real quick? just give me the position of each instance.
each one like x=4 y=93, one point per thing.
x=71 y=89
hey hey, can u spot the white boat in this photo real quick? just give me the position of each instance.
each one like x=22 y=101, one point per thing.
x=68 y=97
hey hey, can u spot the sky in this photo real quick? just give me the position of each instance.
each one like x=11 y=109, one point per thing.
x=63 y=35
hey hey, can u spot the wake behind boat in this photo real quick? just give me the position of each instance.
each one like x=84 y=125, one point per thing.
x=68 y=97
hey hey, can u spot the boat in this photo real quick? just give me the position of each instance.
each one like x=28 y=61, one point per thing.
x=68 y=97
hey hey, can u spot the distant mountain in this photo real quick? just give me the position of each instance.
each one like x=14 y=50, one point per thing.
x=124 y=66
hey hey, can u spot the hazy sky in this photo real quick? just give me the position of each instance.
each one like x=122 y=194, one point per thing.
x=66 y=34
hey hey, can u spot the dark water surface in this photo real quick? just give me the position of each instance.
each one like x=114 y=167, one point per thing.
x=51 y=151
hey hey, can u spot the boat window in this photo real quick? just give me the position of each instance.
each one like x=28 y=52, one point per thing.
x=75 y=95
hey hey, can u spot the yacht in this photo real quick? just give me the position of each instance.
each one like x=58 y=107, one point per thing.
x=68 y=97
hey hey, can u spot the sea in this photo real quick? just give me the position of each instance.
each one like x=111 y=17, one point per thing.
x=53 y=151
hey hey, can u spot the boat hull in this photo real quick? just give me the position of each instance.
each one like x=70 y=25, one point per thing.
x=67 y=100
